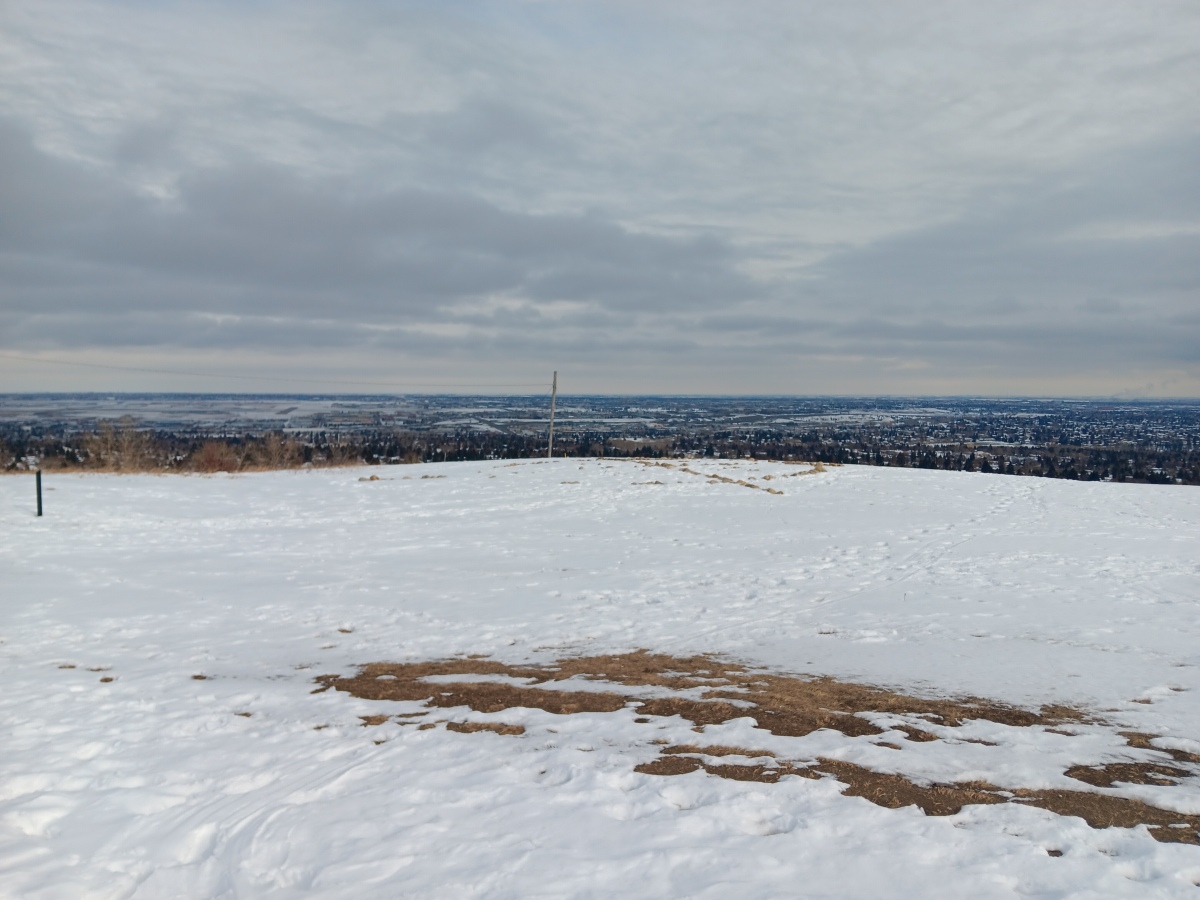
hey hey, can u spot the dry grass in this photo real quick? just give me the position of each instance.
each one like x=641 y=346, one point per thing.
x=782 y=705
x=122 y=448
x=816 y=468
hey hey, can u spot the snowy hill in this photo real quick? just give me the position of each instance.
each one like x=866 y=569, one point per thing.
x=163 y=638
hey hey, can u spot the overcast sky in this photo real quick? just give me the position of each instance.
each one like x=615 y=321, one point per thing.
x=651 y=197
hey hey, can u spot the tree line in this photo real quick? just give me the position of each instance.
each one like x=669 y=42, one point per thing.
x=122 y=446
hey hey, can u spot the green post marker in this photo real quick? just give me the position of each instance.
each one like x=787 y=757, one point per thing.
x=39 y=491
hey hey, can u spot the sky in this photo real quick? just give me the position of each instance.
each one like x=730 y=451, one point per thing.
x=692 y=197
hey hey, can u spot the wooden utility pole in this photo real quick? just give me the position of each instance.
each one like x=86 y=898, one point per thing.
x=553 y=398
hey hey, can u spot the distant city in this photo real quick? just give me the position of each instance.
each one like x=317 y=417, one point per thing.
x=1140 y=441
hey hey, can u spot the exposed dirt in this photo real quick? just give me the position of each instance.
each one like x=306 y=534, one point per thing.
x=1142 y=741
x=1129 y=773
x=494 y=727
x=1107 y=811
x=782 y=705
x=895 y=791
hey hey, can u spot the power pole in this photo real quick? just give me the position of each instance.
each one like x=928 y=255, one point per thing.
x=553 y=398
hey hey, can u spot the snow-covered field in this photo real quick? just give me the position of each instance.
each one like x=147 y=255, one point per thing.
x=123 y=773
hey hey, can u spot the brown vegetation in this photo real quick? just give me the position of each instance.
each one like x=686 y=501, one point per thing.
x=781 y=705
x=215 y=456
x=123 y=447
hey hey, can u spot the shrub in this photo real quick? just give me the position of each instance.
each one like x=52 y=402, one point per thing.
x=215 y=456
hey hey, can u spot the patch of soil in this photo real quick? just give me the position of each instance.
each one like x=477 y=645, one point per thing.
x=895 y=791
x=783 y=705
x=1107 y=811
x=1129 y=773
x=1142 y=742
x=718 y=750
x=891 y=791
x=494 y=727
x=916 y=734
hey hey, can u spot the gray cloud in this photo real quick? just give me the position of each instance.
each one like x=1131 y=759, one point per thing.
x=1095 y=274
x=257 y=241
x=868 y=197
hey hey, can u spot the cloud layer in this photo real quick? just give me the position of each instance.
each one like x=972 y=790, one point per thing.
x=900 y=198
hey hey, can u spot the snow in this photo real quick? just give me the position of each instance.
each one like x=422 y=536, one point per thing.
x=156 y=784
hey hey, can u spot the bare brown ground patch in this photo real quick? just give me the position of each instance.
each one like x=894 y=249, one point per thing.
x=783 y=705
x=1142 y=741
x=494 y=727
x=1129 y=773
x=946 y=799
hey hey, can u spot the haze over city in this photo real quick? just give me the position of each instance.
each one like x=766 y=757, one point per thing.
x=698 y=198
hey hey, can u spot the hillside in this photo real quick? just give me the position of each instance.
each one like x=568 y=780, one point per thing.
x=599 y=678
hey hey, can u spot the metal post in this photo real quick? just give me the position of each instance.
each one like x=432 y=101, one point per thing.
x=553 y=398
x=39 y=490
